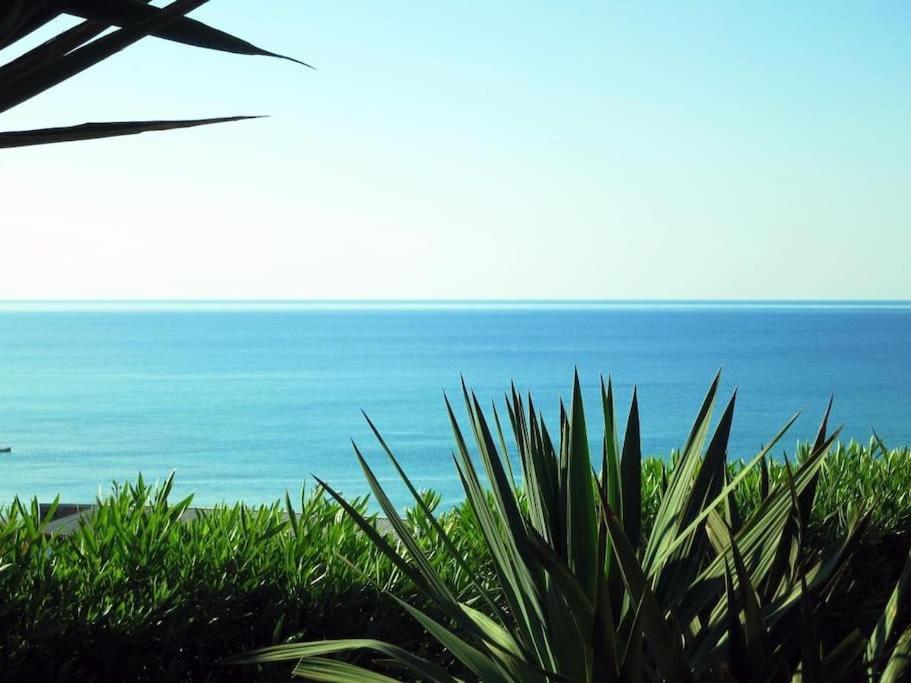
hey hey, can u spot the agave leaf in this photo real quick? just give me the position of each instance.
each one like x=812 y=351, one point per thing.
x=581 y=607
x=496 y=633
x=780 y=577
x=520 y=589
x=334 y=671
x=609 y=588
x=438 y=528
x=426 y=581
x=631 y=662
x=518 y=580
x=631 y=476
x=754 y=628
x=899 y=664
x=823 y=572
x=305 y=651
x=901 y=596
x=611 y=481
x=717 y=532
x=842 y=662
x=553 y=458
x=506 y=649
x=683 y=535
x=738 y=661
x=504 y=449
x=183 y=30
x=501 y=483
x=540 y=475
x=380 y=542
x=605 y=661
x=664 y=646
x=810 y=661
x=580 y=501
x=439 y=592
x=481 y=664
x=805 y=500
x=672 y=502
x=93 y=131
x=563 y=471
x=758 y=539
x=506 y=508
x=684 y=564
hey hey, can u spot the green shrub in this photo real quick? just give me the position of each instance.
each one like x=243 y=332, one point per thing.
x=711 y=592
x=135 y=590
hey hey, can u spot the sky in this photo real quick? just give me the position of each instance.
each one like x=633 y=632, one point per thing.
x=475 y=150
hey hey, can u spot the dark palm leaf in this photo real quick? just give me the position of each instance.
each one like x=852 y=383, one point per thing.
x=92 y=131
x=80 y=47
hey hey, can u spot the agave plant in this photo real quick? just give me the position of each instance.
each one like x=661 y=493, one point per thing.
x=584 y=596
x=86 y=44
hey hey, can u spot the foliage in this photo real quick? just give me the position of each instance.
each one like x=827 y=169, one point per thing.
x=133 y=594
x=710 y=593
x=87 y=43
x=133 y=589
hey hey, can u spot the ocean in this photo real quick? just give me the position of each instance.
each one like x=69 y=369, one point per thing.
x=247 y=400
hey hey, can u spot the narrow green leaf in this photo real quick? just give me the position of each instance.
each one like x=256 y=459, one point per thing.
x=332 y=671
x=900 y=596
x=631 y=475
x=580 y=502
x=665 y=647
x=899 y=665
x=305 y=651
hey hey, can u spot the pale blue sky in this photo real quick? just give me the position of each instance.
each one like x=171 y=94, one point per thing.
x=484 y=150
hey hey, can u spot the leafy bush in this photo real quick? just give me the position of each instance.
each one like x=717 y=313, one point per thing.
x=133 y=589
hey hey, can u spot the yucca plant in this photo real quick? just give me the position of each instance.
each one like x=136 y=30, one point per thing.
x=582 y=595
x=84 y=45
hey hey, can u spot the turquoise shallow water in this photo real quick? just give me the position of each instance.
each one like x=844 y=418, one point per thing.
x=245 y=401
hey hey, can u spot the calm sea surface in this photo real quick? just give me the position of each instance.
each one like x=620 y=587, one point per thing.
x=246 y=401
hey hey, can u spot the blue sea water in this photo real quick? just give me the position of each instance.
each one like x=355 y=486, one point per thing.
x=245 y=401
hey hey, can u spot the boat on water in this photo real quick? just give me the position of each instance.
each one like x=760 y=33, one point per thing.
x=6 y=449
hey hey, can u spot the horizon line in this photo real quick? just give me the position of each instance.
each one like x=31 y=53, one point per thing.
x=434 y=299
x=443 y=302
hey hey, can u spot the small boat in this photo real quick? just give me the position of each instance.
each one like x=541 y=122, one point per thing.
x=6 y=449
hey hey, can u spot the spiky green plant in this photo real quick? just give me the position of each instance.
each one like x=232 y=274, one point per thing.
x=709 y=594
x=84 y=45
